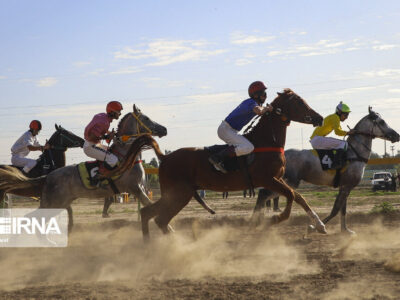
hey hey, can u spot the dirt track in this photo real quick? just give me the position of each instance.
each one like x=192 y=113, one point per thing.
x=210 y=258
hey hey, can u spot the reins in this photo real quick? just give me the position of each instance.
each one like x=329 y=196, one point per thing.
x=125 y=138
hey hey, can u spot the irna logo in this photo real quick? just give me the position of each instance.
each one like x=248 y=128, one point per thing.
x=23 y=225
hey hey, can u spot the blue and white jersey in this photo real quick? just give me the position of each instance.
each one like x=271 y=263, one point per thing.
x=242 y=114
x=20 y=147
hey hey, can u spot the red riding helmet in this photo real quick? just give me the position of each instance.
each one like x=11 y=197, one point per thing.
x=35 y=125
x=256 y=87
x=113 y=106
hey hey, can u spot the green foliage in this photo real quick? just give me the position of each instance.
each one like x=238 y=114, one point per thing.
x=384 y=207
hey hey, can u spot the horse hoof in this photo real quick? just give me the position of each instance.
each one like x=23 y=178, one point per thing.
x=275 y=219
x=349 y=232
x=321 y=228
x=311 y=229
x=105 y=215
x=170 y=229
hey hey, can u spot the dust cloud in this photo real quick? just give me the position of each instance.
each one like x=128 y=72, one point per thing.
x=98 y=255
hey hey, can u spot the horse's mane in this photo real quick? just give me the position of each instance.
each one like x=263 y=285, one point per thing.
x=121 y=121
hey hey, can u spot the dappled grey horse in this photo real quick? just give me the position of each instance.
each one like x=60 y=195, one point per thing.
x=304 y=165
x=141 y=124
x=64 y=185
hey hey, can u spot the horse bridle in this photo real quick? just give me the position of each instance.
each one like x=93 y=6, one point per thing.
x=125 y=138
x=369 y=134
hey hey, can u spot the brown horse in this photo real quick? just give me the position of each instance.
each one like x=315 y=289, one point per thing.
x=186 y=170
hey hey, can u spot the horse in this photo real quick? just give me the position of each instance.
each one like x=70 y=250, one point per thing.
x=303 y=165
x=47 y=162
x=186 y=170
x=141 y=125
x=62 y=186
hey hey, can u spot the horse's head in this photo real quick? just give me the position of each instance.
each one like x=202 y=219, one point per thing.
x=136 y=123
x=292 y=107
x=65 y=139
x=375 y=126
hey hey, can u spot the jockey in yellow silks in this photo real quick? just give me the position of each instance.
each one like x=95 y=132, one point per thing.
x=319 y=139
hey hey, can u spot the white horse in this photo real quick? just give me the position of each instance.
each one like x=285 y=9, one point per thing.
x=304 y=165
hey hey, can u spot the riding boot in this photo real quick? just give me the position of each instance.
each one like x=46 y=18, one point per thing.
x=245 y=172
x=105 y=169
x=217 y=159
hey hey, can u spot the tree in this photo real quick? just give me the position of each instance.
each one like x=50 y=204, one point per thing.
x=154 y=162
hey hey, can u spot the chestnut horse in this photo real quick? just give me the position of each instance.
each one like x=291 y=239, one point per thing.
x=186 y=170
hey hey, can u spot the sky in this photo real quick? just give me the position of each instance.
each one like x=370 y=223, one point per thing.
x=188 y=64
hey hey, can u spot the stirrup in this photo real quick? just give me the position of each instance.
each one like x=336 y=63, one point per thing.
x=217 y=165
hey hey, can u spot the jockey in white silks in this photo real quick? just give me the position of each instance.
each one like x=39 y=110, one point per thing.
x=97 y=130
x=26 y=143
x=229 y=129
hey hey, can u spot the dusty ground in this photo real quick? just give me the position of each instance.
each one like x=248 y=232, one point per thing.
x=213 y=257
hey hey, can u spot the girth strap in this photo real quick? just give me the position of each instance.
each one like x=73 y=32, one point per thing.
x=269 y=149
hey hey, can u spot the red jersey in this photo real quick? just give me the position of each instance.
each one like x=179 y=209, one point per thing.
x=97 y=127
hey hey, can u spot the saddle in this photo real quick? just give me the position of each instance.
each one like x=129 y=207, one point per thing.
x=236 y=163
x=89 y=171
x=332 y=159
x=232 y=163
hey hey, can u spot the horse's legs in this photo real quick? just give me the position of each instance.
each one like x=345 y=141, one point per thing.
x=137 y=190
x=258 y=211
x=70 y=219
x=107 y=203
x=276 y=204
x=3 y=196
x=279 y=186
x=340 y=200
x=313 y=216
x=147 y=213
x=343 y=219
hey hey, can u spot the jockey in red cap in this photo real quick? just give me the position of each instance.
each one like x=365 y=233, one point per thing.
x=229 y=129
x=26 y=143
x=97 y=130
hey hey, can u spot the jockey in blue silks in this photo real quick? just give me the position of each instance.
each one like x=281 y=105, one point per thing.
x=229 y=129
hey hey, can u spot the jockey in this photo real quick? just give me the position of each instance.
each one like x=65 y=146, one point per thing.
x=319 y=139
x=26 y=143
x=229 y=129
x=97 y=130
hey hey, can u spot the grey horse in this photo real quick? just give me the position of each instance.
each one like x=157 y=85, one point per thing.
x=304 y=165
x=142 y=125
x=64 y=185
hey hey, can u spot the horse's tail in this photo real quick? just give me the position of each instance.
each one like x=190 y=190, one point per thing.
x=13 y=179
x=203 y=203
x=157 y=150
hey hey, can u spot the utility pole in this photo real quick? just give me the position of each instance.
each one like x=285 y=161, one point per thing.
x=392 y=149
x=385 y=154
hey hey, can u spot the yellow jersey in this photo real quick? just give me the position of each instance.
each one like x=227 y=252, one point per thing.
x=331 y=122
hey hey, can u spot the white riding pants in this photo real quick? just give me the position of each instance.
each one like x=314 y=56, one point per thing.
x=231 y=136
x=20 y=161
x=327 y=143
x=99 y=152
